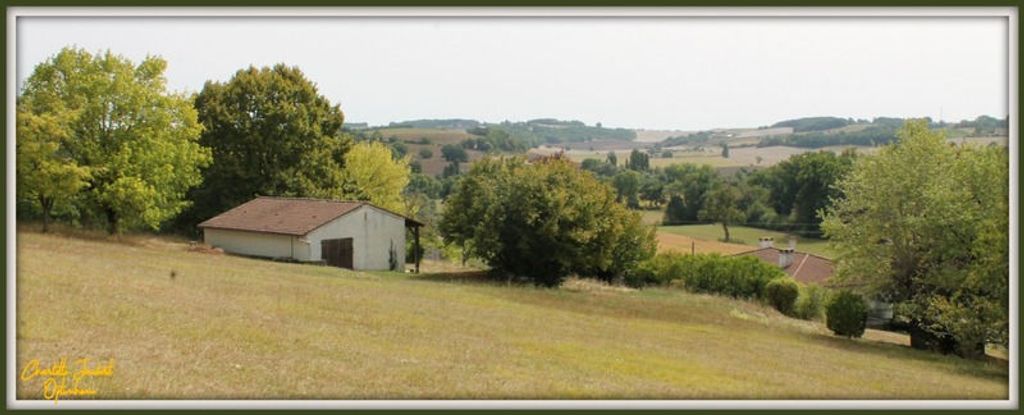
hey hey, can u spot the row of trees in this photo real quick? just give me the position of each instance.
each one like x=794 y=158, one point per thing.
x=786 y=196
x=102 y=141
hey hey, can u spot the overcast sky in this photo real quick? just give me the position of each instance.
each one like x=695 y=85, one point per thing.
x=671 y=73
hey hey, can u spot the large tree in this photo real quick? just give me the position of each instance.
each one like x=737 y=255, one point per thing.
x=722 y=205
x=136 y=139
x=47 y=174
x=544 y=220
x=271 y=133
x=803 y=185
x=924 y=224
x=371 y=174
x=686 y=185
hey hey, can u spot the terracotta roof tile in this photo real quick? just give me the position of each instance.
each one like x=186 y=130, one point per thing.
x=289 y=216
x=806 y=268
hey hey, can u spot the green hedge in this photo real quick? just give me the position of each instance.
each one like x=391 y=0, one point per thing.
x=781 y=293
x=810 y=304
x=738 y=277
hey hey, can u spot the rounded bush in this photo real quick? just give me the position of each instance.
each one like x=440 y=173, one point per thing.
x=781 y=293
x=810 y=304
x=847 y=314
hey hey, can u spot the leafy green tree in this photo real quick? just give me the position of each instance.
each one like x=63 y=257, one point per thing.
x=803 y=185
x=600 y=168
x=638 y=161
x=451 y=170
x=399 y=149
x=454 y=154
x=372 y=174
x=722 y=206
x=725 y=150
x=613 y=159
x=136 y=140
x=544 y=220
x=272 y=134
x=652 y=190
x=627 y=188
x=47 y=174
x=686 y=185
x=924 y=225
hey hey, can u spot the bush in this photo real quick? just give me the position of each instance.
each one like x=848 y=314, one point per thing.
x=426 y=153
x=544 y=220
x=847 y=314
x=738 y=277
x=810 y=303
x=781 y=293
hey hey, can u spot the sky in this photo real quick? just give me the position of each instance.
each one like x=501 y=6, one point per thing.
x=653 y=73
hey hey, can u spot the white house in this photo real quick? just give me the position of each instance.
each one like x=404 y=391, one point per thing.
x=354 y=235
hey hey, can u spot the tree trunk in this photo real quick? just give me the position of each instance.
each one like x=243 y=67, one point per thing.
x=112 y=219
x=725 y=227
x=47 y=206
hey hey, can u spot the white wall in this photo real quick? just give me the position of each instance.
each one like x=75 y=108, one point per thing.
x=257 y=244
x=373 y=232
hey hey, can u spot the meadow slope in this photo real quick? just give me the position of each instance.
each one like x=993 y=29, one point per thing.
x=231 y=327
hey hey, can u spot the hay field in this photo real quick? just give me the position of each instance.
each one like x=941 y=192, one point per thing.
x=231 y=327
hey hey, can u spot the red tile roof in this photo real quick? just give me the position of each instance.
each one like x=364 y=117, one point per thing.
x=284 y=215
x=806 y=268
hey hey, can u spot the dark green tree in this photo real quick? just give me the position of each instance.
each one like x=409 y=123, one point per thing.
x=638 y=161
x=687 y=184
x=271 y=133
x=454 y=154
x=544 y=220
x=722 y=205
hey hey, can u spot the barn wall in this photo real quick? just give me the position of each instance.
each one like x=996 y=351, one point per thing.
x=256 y=244
x=373 y=232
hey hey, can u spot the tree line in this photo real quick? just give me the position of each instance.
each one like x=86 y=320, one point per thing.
x=102 y=142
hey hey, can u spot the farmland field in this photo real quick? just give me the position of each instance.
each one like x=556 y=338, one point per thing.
x=748 y=236
x=232 y=327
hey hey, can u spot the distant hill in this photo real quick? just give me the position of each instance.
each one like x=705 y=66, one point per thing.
x=451 y=123
x=814 y=123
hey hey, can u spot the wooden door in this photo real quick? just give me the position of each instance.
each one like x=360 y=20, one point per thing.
x=337 y=252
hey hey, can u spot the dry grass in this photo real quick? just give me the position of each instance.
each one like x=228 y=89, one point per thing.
x=230 y=327
x=670 y=242
x=747 y=237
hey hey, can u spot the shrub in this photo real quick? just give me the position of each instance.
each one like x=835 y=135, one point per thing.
x=544 y=220
x=739 y=277
x=781 y=293
x=426 y=153
x=847 y=314
x=810 y=303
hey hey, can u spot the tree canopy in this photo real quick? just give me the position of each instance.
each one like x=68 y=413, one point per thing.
x=372 y=174
x=118 y=129
x=924 y=224
x=271 y=134
x=544 y=220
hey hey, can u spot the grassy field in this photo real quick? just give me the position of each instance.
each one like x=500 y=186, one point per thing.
x=672 y=242
x=748 y=236
x=231 y=327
